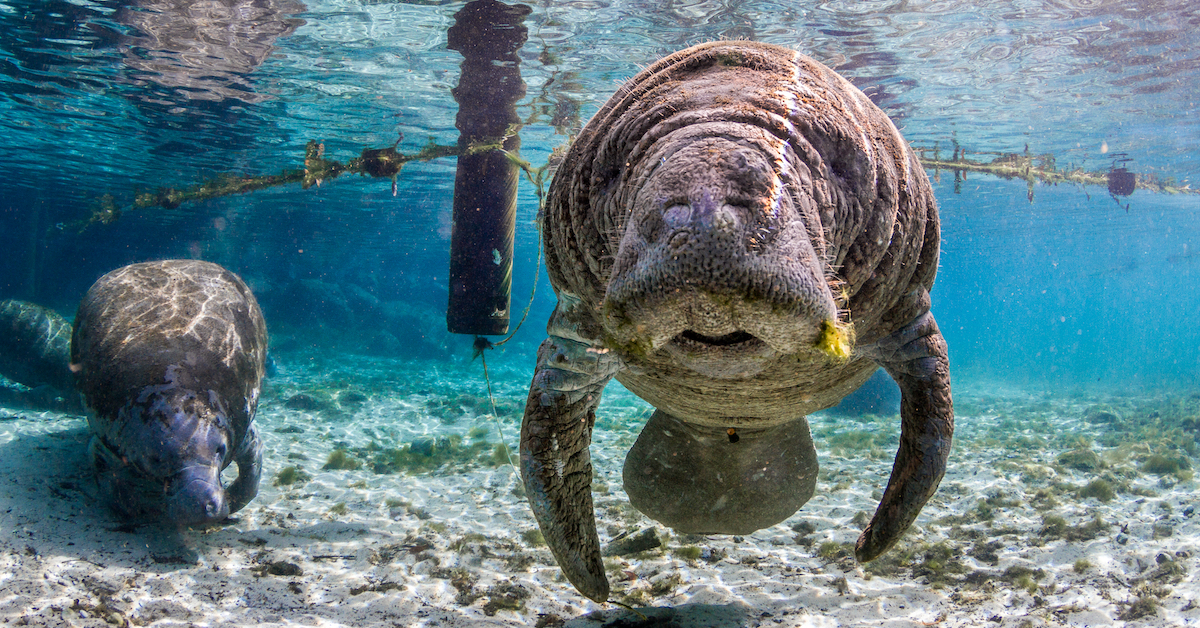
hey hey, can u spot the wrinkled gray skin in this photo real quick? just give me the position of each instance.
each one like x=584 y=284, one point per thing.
x=721 y=213
x=169 y=357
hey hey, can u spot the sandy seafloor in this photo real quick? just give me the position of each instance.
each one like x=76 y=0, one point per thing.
x=999 y=545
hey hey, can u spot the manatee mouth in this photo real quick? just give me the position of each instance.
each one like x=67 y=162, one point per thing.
x=734 y=355
x=732 y=339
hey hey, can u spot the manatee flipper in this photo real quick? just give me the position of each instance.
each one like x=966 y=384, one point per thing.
x=706 y=480
x=249 y=463
x=915 y=356
x=556 y=466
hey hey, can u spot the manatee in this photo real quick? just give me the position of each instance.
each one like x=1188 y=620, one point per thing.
x=35 y=344
x=740 y=237
x=169 y=357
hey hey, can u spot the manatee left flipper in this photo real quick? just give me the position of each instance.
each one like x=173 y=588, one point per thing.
x=555 y=463
x=249 y=461
x=915 y=356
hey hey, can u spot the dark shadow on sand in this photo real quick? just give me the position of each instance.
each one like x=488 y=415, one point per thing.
x=685 y=616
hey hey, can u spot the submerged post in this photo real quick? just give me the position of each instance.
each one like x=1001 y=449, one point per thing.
x=488 y=34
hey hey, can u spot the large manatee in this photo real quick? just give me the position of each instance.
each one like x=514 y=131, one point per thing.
x=169 y=357
x=741 y=238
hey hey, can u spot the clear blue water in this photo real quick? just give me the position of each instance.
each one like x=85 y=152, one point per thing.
x=106 y=98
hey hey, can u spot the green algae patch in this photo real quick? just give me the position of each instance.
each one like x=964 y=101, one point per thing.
x=290 y=475
x=533 y=538
x=1082 y=459
x=1056 y=527
x=1100 y=489
x=1162 y=464
x=835 y=340
x=339 y=460
x=428 y=454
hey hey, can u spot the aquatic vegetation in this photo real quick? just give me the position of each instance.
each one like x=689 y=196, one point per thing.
x=505 y=596
x=1099 y=488
x=1162 y=464
x=939 y=563
x=665 y=585
x=478 y=432
x=1083 y=459
x=688 y=552
x=426 y=454
x=1082 y=565
x=500 y=455
x=832 y=550
x=533 y=537
x=309 y=402
x=339 y=459
x=1024 y=577
x=290 y=475
x=986 y=507
x=463 y=541
x=1102 y=415
x=1055 y=527
x=645 y=540
x=804 y=528
x=1146 y=606
x=339 y=509
x=1043 y=499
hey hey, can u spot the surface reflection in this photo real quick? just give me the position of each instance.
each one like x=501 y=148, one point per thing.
x=205 y=50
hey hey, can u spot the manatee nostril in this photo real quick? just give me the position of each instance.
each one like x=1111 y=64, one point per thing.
x=213 y=507
x=649 y=226
x=679 y=240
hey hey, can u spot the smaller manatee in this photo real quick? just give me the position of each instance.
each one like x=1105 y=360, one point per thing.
x=35 y=344
x=170 y=357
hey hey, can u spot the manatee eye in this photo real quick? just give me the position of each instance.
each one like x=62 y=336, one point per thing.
x=220 y=451
x=733 y=435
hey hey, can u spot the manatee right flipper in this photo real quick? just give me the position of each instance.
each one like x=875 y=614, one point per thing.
x=555 y=464
x=249 y=463
x=915 y=356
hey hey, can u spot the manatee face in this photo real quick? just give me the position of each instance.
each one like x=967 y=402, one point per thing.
x=168 y=454
x=716 y=265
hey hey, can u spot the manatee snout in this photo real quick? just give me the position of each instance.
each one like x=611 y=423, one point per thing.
x=716 y=265
x=196 y=496
x=169 y=467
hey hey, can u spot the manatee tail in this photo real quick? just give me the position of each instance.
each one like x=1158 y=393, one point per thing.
x=702 y=480
x=915 y=356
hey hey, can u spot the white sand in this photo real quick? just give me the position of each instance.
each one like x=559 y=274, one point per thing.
x=445 y=548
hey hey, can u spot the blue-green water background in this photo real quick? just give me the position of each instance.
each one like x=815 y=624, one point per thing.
x=1069 y=290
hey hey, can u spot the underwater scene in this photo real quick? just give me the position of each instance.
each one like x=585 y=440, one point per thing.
x=599 y=313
